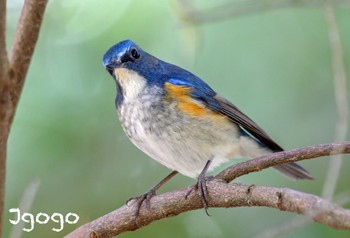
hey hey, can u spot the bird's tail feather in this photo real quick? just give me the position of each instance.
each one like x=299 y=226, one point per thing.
x=293 y=171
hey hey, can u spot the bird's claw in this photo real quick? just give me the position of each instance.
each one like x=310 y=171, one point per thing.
x=202 y=190
x=148 y=195
x=140 y=199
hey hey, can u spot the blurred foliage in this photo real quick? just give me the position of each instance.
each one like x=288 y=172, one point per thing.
x=274 y=65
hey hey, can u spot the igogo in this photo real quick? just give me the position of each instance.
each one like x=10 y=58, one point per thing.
x=43 y=218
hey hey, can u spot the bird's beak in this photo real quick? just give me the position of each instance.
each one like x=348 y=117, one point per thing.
x=112 y=65
x=110 y=69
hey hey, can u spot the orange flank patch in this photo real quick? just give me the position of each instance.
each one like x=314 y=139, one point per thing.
x=175 y=91
x=192 y=109
x=187 y=105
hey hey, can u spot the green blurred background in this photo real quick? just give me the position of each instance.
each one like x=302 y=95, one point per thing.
x=274 y=65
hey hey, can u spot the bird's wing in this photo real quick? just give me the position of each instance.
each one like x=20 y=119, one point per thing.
x=247 y=124
x=201 y=92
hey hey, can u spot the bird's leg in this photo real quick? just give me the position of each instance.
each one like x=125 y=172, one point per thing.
x=149 y=194
x=201 y=187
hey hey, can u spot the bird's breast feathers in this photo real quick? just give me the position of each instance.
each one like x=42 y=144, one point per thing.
x=130 y=81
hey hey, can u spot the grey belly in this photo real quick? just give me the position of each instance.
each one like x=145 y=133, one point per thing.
x=178 y=141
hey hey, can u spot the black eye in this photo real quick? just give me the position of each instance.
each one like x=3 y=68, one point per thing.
x=134 y=53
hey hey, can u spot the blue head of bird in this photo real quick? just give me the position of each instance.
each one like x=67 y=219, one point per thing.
x=133 y=68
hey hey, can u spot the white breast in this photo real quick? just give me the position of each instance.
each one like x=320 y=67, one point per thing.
x=131 y=82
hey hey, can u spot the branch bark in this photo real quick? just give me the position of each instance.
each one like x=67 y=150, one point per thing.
x=4 y=104
x=226 y=195
x=13 y=71
x=26 y=36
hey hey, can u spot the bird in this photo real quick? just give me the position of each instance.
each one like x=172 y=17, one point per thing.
x=178 y=120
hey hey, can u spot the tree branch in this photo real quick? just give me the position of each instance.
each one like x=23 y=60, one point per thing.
x=270 y=160
x=3 y=54
x=26 y=36
x=222 y=194
x=231 y=9
x=4 y=104
x=13 y=72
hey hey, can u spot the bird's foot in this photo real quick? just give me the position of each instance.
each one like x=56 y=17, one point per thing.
x=146 y=197
x=201 y=188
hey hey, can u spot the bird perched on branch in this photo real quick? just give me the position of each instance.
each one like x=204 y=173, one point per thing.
x=178 y=120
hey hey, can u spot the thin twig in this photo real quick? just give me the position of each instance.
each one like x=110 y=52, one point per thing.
x=232 y=9
x=340 y=93
x=25 y=206
x=270 y=160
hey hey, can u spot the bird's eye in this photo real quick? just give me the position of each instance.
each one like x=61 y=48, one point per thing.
x=134 y=53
